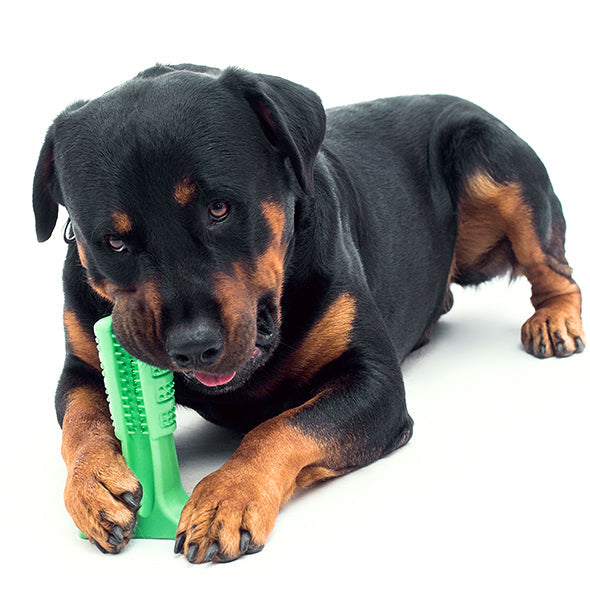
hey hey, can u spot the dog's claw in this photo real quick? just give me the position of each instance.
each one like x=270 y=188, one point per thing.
x=99 y=547
x=245 y=539
x=246 y=545
x=211 y=552
x=116 y=537
x=191 y=554
x=254 y=549
x=130 y=500
x=579 y=344
x=179 y=544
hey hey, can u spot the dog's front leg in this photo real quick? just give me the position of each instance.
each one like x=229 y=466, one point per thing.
x=102 y=495
x=347 y=424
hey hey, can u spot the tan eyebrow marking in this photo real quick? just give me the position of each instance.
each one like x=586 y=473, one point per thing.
x=121 y=222
x=185 y=191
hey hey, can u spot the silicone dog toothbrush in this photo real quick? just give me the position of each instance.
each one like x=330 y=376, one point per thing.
x=141 y=400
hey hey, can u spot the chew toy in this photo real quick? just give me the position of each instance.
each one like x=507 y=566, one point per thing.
x=141 y=400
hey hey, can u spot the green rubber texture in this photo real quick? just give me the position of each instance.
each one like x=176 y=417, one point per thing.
x=141 y=400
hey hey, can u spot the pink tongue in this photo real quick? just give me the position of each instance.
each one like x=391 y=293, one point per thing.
x=213 y=380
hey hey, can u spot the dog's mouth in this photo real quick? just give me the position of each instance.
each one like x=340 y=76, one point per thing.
x=212 y=380
x=229 y=375
x=266 y=343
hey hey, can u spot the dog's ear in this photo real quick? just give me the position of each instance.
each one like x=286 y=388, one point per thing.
x=47 y=194
x=46 y=191
x=291 y=116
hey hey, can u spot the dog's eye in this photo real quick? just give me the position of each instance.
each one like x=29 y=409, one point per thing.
x=218 y=210
x=116 y=244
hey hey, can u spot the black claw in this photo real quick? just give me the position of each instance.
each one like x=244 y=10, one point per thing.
x=116 y=537
x=191 y=554
x=542 y=350
x=221 y=558
x=559 y=348
x=131 y=500
x=100 y=547
x=579 y=344
x=179 y=544
x=245 y=539
x=254 y=549
x=211 y=553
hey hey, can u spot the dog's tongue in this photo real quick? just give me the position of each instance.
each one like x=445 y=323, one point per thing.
x=213 y=380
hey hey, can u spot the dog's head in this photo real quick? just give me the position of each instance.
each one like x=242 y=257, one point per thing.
x=181 y=186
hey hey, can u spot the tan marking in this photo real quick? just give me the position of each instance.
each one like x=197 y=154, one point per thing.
x=275 y=218
x=87 y=414
x=121 y=223
x=104 y=288
x=247 y=492
x=314 y=473
x=137 y=320
x=482 y=223
x=97 y=474
x=82 y=254
x=238 y=317
x=493 y=214
x=326 y=341
x=81 y=343
x=238 y=292
x=185 y=191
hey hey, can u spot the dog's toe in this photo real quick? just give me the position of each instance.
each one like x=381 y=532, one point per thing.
x=227 y=516
x=553 y=332
x=102 y=495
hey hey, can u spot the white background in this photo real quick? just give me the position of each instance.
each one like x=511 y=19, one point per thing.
x=492 y=491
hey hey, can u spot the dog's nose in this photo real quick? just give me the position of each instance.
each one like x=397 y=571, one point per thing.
x=195 y=345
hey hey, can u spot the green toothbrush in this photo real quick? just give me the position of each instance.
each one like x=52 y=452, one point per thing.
x=141 y=400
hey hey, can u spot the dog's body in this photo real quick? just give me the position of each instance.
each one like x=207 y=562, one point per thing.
x=283 y=265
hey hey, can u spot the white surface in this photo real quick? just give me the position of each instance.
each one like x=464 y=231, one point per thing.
x=492 y=491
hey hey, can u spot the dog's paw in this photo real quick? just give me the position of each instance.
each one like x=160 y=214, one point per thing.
x=553 y=331
x=229 y=514
x=102 y=496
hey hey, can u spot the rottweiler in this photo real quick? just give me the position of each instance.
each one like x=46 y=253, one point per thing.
x=282 y=260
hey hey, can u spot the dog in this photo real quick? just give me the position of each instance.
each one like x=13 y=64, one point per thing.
x=282 y=260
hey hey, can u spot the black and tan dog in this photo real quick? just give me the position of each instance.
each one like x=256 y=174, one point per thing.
x=282 y=261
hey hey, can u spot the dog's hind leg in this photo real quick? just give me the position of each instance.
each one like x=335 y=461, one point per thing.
x=517 y=225
x=509 y=220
